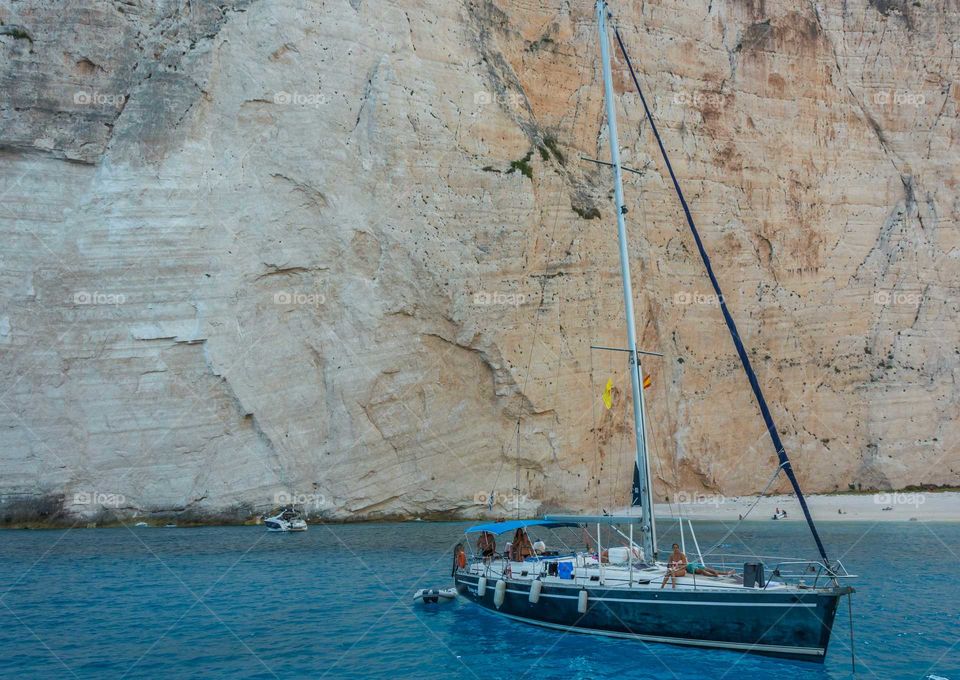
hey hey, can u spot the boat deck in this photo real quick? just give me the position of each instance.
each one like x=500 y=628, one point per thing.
x=588 y=572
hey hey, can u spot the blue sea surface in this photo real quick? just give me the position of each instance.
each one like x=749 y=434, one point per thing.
x=336 y=602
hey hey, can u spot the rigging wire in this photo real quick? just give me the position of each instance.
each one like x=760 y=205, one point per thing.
x=776 y=473
x=596 y=432
x=727 y=317
x=652 y=439
x=623 y=441
x=853 y=657
x=663 y=369
x=516 y=488
x=533 y=342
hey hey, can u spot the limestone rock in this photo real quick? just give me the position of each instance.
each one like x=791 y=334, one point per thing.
x=333 y=251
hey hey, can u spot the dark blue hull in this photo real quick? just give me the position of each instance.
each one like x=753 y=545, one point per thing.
x=793 y=625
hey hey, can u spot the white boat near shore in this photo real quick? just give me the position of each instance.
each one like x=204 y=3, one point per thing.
x=287 y=520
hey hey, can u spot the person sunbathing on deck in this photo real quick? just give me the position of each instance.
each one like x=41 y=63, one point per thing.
x=703 y=570
x=676 y=566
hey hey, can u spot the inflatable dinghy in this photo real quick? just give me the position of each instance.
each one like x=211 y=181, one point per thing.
x=434 y=595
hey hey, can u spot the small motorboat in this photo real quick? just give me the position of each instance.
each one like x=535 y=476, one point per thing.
x=779 y=514
x=141 y=524
x=287 y=519
x=434 y=595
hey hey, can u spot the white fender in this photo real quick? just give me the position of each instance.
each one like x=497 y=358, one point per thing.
x=582 y=602
x=535 y=589
x=499 y=592
x=481 y=586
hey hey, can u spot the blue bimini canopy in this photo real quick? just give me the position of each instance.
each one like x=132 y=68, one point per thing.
x=514 y=524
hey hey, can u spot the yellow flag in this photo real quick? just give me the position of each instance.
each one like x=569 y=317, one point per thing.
x=607 y=396
x=647 y=382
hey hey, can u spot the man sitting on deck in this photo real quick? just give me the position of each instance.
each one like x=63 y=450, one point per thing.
x=487 y=544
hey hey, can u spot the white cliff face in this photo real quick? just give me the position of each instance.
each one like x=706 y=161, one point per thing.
x=336 y=249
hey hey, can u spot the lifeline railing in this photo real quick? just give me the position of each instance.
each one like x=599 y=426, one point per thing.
x=773 y=570
x=773 y=567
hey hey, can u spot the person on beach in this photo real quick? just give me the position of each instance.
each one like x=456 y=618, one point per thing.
x=676 y=566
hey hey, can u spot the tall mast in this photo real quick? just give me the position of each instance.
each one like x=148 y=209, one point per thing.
x=642 y=469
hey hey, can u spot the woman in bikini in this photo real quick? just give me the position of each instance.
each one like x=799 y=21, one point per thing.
x=676 y=566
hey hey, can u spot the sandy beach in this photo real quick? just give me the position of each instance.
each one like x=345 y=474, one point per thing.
x=893 y=506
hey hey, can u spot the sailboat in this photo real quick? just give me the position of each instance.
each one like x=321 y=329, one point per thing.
x=779 y=607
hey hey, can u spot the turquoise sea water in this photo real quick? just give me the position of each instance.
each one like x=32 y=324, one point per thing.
x=237 y=602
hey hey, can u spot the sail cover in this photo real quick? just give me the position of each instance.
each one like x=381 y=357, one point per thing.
x=637 y=497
